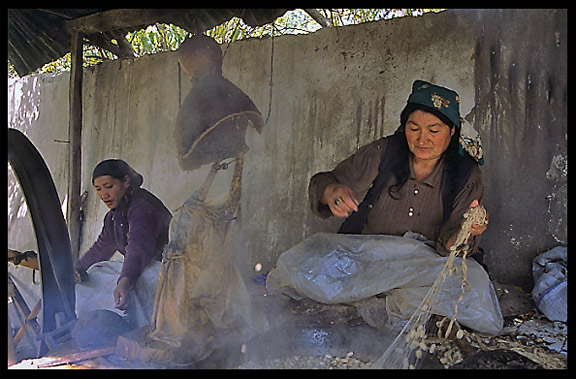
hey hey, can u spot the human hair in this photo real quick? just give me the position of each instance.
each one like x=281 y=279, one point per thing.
x=401 y=165
x=117 y=169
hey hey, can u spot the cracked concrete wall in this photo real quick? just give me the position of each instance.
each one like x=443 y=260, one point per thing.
x=521 y=113
x=324 y=95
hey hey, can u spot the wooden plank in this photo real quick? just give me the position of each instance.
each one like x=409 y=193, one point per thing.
x=11 y=344
x=77 y=357
x=121 y=19
x=27 y=259
x=75 y=146
x=30 y=325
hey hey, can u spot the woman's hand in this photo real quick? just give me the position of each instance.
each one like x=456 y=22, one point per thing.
x=80 y=275
x=340 y=199
x=477 y=229
x=122 y=292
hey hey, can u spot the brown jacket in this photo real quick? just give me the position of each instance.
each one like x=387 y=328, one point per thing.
x=419 y=207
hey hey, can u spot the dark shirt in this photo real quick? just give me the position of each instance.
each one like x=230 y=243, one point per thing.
x=137 y=228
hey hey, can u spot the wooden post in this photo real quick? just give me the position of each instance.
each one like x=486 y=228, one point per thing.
x=11 y=350
x=75 y=137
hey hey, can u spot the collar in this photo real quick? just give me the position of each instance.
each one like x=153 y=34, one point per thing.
x=124 y=204
x=435 y=178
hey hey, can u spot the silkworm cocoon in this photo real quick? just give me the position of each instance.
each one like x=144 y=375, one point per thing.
x=419 y=354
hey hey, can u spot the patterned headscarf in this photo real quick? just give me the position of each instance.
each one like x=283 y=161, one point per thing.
x=447 y=102
x=470 y=142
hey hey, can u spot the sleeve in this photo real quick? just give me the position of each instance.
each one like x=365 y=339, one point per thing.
x=144 y=227
x=473 y=189
x=102 y=249
x=357 y=171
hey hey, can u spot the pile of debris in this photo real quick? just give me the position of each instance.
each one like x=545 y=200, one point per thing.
x=527 y=341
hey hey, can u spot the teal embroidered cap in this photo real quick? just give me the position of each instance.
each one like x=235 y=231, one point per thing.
x=441 y=99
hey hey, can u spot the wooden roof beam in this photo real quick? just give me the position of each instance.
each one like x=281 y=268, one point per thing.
x=120 y=19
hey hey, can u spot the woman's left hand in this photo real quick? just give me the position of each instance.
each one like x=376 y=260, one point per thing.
x=477 y=229
x=122 y=292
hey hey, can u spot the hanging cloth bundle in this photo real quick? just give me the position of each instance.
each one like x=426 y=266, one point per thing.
x=200 y=291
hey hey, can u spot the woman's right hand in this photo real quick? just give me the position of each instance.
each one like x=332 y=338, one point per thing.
x=340 y=199
x=80 y=275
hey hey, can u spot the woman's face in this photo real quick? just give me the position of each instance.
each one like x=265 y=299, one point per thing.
x=428 y=137
x=111 y=190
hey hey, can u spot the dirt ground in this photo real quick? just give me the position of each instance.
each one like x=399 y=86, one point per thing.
x=529 y=340
x=530 y=335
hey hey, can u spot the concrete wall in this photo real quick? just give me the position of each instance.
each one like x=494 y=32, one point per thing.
x=521 y=113
x=324 y=95
x=333 y=92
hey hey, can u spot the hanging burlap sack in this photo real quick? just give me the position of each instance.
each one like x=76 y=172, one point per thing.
x=200 y=292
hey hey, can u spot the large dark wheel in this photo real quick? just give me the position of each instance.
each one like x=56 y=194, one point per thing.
x=54 y=251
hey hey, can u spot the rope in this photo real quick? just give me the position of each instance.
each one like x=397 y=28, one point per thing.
x=215 y=126
x=473 y=216
x=408 y=347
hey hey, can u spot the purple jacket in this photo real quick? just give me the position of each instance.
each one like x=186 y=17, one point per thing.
x=137 y=228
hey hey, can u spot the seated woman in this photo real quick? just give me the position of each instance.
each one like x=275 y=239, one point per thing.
x=425 y=180
x=136 y=226
x=419 y=181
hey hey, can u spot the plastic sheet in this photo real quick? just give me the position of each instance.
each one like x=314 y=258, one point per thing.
x=340 y=268
x=550 y=292
x=97 y=293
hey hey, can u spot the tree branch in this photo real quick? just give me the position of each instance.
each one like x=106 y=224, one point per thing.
x=319 y=17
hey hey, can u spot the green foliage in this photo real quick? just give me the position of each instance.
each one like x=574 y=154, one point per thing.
x=343 y=17
x=167 y=37
x=156 y=39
